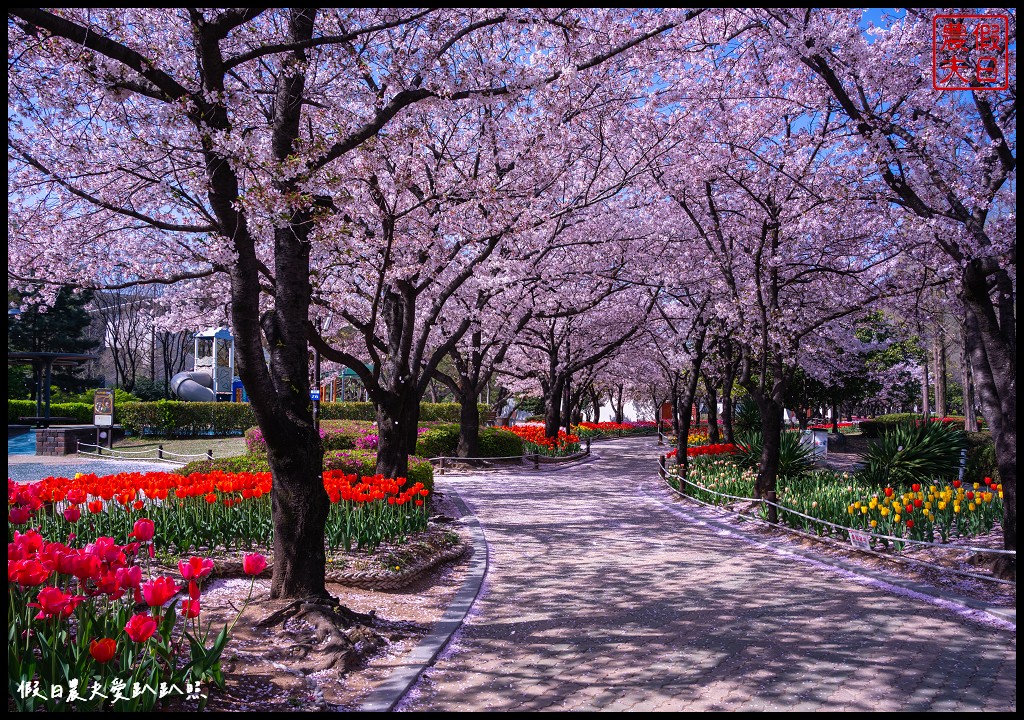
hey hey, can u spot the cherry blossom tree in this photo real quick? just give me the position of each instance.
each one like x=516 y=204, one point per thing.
x=948 y=158
x=202 y=148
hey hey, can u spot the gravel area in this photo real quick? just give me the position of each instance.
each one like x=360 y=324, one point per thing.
x=32 y=468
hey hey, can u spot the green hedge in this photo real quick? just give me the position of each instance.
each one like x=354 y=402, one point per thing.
x=495 y=442
x=981 y=458
x=873 y=428
x=443 y=440
x=358 y=462
x=81 y=412
x=173 y=418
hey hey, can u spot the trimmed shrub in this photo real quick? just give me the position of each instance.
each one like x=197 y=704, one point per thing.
x=364 y=462
x=173 y=418
x=358 y=462
x=81 y=412
x=334 y=434
x=795 y=458
x=981 y=458
x=440 y=440
x=914 y=452
x=443 y=440
x=495 y=442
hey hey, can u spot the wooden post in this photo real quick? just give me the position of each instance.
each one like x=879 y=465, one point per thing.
x=661 y=466
x=440 y=470
x=536 y=461
x=773 y=512
x=209 y=454
x=588 y=446
x=160 y=452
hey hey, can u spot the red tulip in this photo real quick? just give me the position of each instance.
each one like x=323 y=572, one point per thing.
x=956 y=483
x=76 y=496
x=71 y=514
x=103 y=650
x=888 y=492
x=129 y=577
x=970 y=494
x=52 y=602
x=19 y=515
x=144 y=529
x=27 y=572
x=915 y=487
x=95 y=506
x=254 y=564
x=193 y=590
x=910 y=523
x=195 y=567
x=159 y=591
x=86 y=566
x=917 y=502
x=140 y=628
x=189 y=608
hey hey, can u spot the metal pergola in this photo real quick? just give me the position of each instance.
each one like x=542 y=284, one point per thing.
x=42 y=368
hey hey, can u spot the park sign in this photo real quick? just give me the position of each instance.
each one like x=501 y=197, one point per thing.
x=103 y=408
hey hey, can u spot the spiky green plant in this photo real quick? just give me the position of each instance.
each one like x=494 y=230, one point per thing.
x=795 y=458
x=747 y=418
x=914 y=452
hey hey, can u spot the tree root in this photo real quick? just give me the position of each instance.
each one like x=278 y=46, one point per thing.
x=330 y=636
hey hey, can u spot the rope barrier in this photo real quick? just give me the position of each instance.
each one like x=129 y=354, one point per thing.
x=124 y=454
x=843 y=527
x=828 y=538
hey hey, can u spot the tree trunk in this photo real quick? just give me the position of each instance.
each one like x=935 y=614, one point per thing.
x=939 y=358
x=553 y=406
x=299 y=506
x=991 y=340
x=926 y=408
x=727 y=407
x=469 y=426
x=967 y=382
x=566 y=415
x=771 y=429
x=712 y=399
x=394 y=418
x=683 y=408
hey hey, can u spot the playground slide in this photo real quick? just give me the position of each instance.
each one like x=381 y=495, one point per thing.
x=193 y=386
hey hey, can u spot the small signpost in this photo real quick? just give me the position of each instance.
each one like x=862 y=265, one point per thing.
x=103 y=416
x=860 y=539
x=314 y=395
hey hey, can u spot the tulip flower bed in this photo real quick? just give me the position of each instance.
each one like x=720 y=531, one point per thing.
x=700 y=450
x=933 y=513
x=845 y=428
x=591 y=430
x=211 y=510
x=534 y=441
x=104 y=637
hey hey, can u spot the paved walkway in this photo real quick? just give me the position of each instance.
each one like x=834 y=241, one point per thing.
x=598 y=597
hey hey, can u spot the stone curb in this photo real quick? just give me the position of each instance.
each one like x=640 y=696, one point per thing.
x=386 y=696
x=1006 y=615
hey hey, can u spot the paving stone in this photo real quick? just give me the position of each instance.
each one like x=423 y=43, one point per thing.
x=601 y=597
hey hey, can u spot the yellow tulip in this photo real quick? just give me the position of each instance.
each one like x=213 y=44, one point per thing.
x=863 y=509
x=897 y=517
x=942 y=506
x=977 y=485
x=956 y=508
x=874 y=523
x=971 y=506
x=884 y=511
